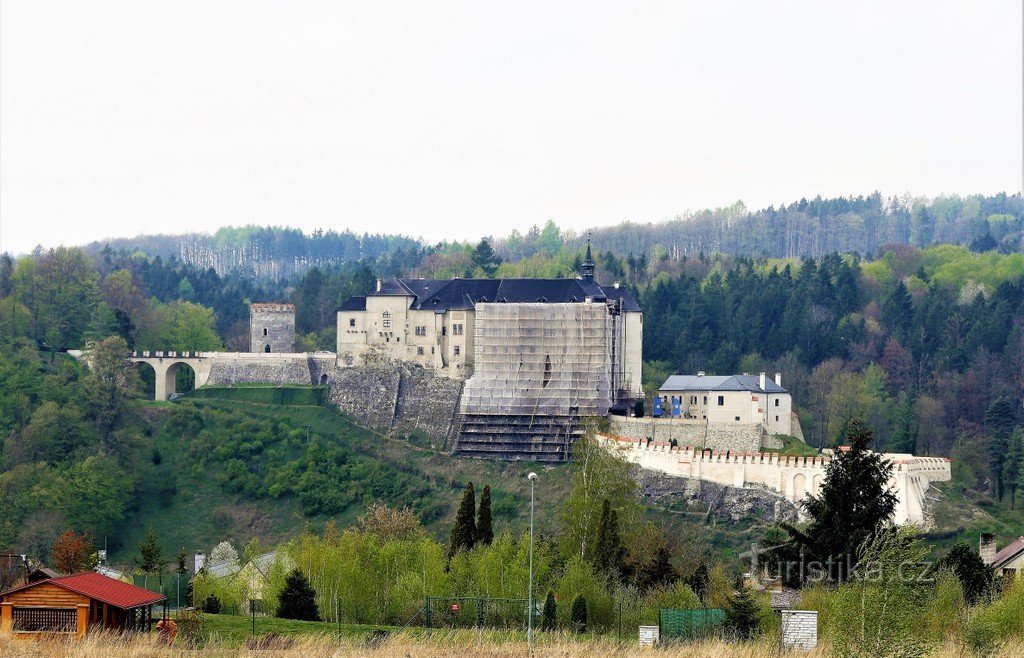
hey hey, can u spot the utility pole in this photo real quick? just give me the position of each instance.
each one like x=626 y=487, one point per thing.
x=529 y=618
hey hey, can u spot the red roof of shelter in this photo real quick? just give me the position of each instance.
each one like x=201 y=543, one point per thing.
x=101 y=588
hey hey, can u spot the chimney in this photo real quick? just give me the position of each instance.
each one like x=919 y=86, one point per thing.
x=378 y=285
x=987 y=548
x=200 y=561
x=778 y=379
x=762 y=381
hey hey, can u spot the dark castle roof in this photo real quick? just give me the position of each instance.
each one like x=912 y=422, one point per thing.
x=463 y=294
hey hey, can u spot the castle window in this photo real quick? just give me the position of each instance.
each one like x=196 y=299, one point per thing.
x=458 y=350
x=721 y=400
x=457 y=329
x=419 y=351
x=351 y=322
x=444 y=330
x=737 y=417
x=264 y=331
x=776 y=419
x=705 y=400
x=776 y=402
x=267 y=349
x=386 y=319
x=421 y=331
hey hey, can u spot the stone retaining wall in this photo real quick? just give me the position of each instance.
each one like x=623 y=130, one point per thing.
x=241 y=368
x=697 y=433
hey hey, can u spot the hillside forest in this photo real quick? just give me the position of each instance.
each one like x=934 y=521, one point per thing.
x=908 y=314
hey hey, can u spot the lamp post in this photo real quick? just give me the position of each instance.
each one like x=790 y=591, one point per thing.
x=529 y=597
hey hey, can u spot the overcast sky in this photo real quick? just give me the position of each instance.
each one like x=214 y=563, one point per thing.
x=461 y=119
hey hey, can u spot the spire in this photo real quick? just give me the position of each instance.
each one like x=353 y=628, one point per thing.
x=587 y=266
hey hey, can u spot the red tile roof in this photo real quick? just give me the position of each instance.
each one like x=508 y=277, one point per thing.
x=1009 y=552
x=101 y=588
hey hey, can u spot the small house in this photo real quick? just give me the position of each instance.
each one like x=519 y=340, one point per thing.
x=72 y=605
x=1005 y=562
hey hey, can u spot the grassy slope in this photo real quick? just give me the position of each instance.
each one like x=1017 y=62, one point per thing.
x=187 y=509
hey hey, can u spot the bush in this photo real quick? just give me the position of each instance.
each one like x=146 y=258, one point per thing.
x=578 y=614
x=1002 y=620
x=550 y=620
x=211 y=605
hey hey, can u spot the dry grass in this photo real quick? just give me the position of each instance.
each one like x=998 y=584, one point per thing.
x=462 y=645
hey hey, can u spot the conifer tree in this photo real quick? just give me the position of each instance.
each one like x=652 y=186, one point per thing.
x=967 y=566
x=484 y=530
x=1013 y=464
x=741 y=615
x=298 y=599
x=150 y=559
x=578 y=614
x=657 y=572
x=999 y=423
x=485 y=258
x=854 y=505
x=464 y=531
x=550 y=620
x=698 y=581
x=609 y=553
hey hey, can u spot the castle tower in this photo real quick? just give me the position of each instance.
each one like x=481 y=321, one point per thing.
x=588 y=266
x=271 y=328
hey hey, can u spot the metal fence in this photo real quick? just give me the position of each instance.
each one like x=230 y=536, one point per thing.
x=474 y=612
x=680 y=625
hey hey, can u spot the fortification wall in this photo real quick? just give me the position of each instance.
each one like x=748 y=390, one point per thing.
x=735 y=438
x=398 y=397
x=244 y=368
x=792 y=478
x=427 y=403
x=367 y=393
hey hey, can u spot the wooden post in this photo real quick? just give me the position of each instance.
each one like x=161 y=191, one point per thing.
x=6 y=617
x=83 y=619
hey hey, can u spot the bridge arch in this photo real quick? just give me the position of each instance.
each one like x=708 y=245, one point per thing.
x=147 y=378
x=174 y=370
x=816 y=484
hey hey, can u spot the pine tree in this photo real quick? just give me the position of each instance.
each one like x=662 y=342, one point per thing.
x=698 y=581
x=464 y=531
x=854 y=504
x=609 y=553
x=741 y=615
x=657 y=572
x=484 y=530
x=578 y=614
x=150 y=558
x=298 y=599
x=898 y=310
x=999 y=423
x=485 y=258
x=1013 y=464
x=966 y=565
x=550 y=620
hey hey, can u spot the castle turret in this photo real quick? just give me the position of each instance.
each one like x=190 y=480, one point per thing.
x=588 y=266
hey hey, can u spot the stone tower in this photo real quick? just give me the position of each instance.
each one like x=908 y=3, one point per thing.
x=271 y=328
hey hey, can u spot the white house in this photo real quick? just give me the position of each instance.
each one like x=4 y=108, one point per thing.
x=724 y=400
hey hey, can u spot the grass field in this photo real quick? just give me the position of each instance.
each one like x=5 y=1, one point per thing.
x=462 y=645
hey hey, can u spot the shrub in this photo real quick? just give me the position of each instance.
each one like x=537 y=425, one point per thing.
x=578 y=614
x=211 y=605
x=550 y=620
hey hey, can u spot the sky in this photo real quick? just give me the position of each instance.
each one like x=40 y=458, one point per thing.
x=463 y=119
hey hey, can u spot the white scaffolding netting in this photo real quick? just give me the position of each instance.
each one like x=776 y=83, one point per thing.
x=540 y=359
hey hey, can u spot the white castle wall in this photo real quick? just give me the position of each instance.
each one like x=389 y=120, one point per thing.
x=791 y=477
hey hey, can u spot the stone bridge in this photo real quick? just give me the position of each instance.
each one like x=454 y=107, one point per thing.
x=167 y=364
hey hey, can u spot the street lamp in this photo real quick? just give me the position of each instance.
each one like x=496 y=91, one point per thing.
x=532 y=477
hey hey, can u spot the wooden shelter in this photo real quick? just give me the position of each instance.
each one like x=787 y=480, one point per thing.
x=73 y=604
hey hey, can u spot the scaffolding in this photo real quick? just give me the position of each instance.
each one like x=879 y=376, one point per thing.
x=538 y=368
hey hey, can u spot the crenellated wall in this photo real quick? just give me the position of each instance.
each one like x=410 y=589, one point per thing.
x=791 y=477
